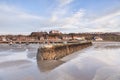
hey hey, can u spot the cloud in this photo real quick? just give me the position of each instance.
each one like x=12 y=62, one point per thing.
x=17 y=20
x=80 y=22
x=61 y=10
x=64 y=2
x=13 y=19
x=74 y=20
x=109 y=22
x=107 y=17
x=58 y=14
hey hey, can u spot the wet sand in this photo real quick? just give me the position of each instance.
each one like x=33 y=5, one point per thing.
x=98 y=62
x=16 y=63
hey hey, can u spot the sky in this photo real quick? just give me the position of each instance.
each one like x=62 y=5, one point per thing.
x=67 y=16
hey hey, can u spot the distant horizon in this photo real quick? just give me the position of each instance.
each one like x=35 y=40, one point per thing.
x=28 y=33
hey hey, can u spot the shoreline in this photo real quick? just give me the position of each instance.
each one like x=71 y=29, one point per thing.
x=49 y=42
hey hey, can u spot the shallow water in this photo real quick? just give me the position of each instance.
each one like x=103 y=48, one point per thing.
x=98 y=62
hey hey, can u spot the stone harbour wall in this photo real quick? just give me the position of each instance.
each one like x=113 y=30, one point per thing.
x=59 y=51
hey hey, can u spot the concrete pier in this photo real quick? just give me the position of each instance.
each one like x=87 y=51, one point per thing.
x=56 y=52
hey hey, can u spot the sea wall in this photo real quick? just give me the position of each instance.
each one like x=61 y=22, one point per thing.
x=55 y=52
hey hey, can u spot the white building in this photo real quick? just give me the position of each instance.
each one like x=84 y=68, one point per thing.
x=79 y=38
x=98 y=39
x=55 y=32
x=4 y=39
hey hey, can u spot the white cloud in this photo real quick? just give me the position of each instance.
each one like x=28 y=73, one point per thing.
x=64 y=2
x=107 y=17
x=13 y=11
x=109 y=22
x=13 y=20
x=78 y=22
x=61 y=10
x=58 y=14
x=74 y=20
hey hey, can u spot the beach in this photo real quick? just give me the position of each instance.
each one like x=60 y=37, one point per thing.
x=97 y=62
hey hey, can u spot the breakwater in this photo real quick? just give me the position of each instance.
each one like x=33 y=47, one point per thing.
x=55 y=52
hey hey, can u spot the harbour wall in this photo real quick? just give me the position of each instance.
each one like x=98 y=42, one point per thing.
x=56 y=52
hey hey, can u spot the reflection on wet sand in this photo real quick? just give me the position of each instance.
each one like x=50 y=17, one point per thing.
x=48 y=65
x=107 y=45
x=108 y=73
x=112 y=46
x=98 y=62
x=16 y=63
x=76 y=70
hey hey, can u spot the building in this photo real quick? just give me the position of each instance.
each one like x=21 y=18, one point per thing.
x=66 y=37
x=4 y=39
x=55 y=32
x=78 y=38
x=98 y=38
x=38 y=34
